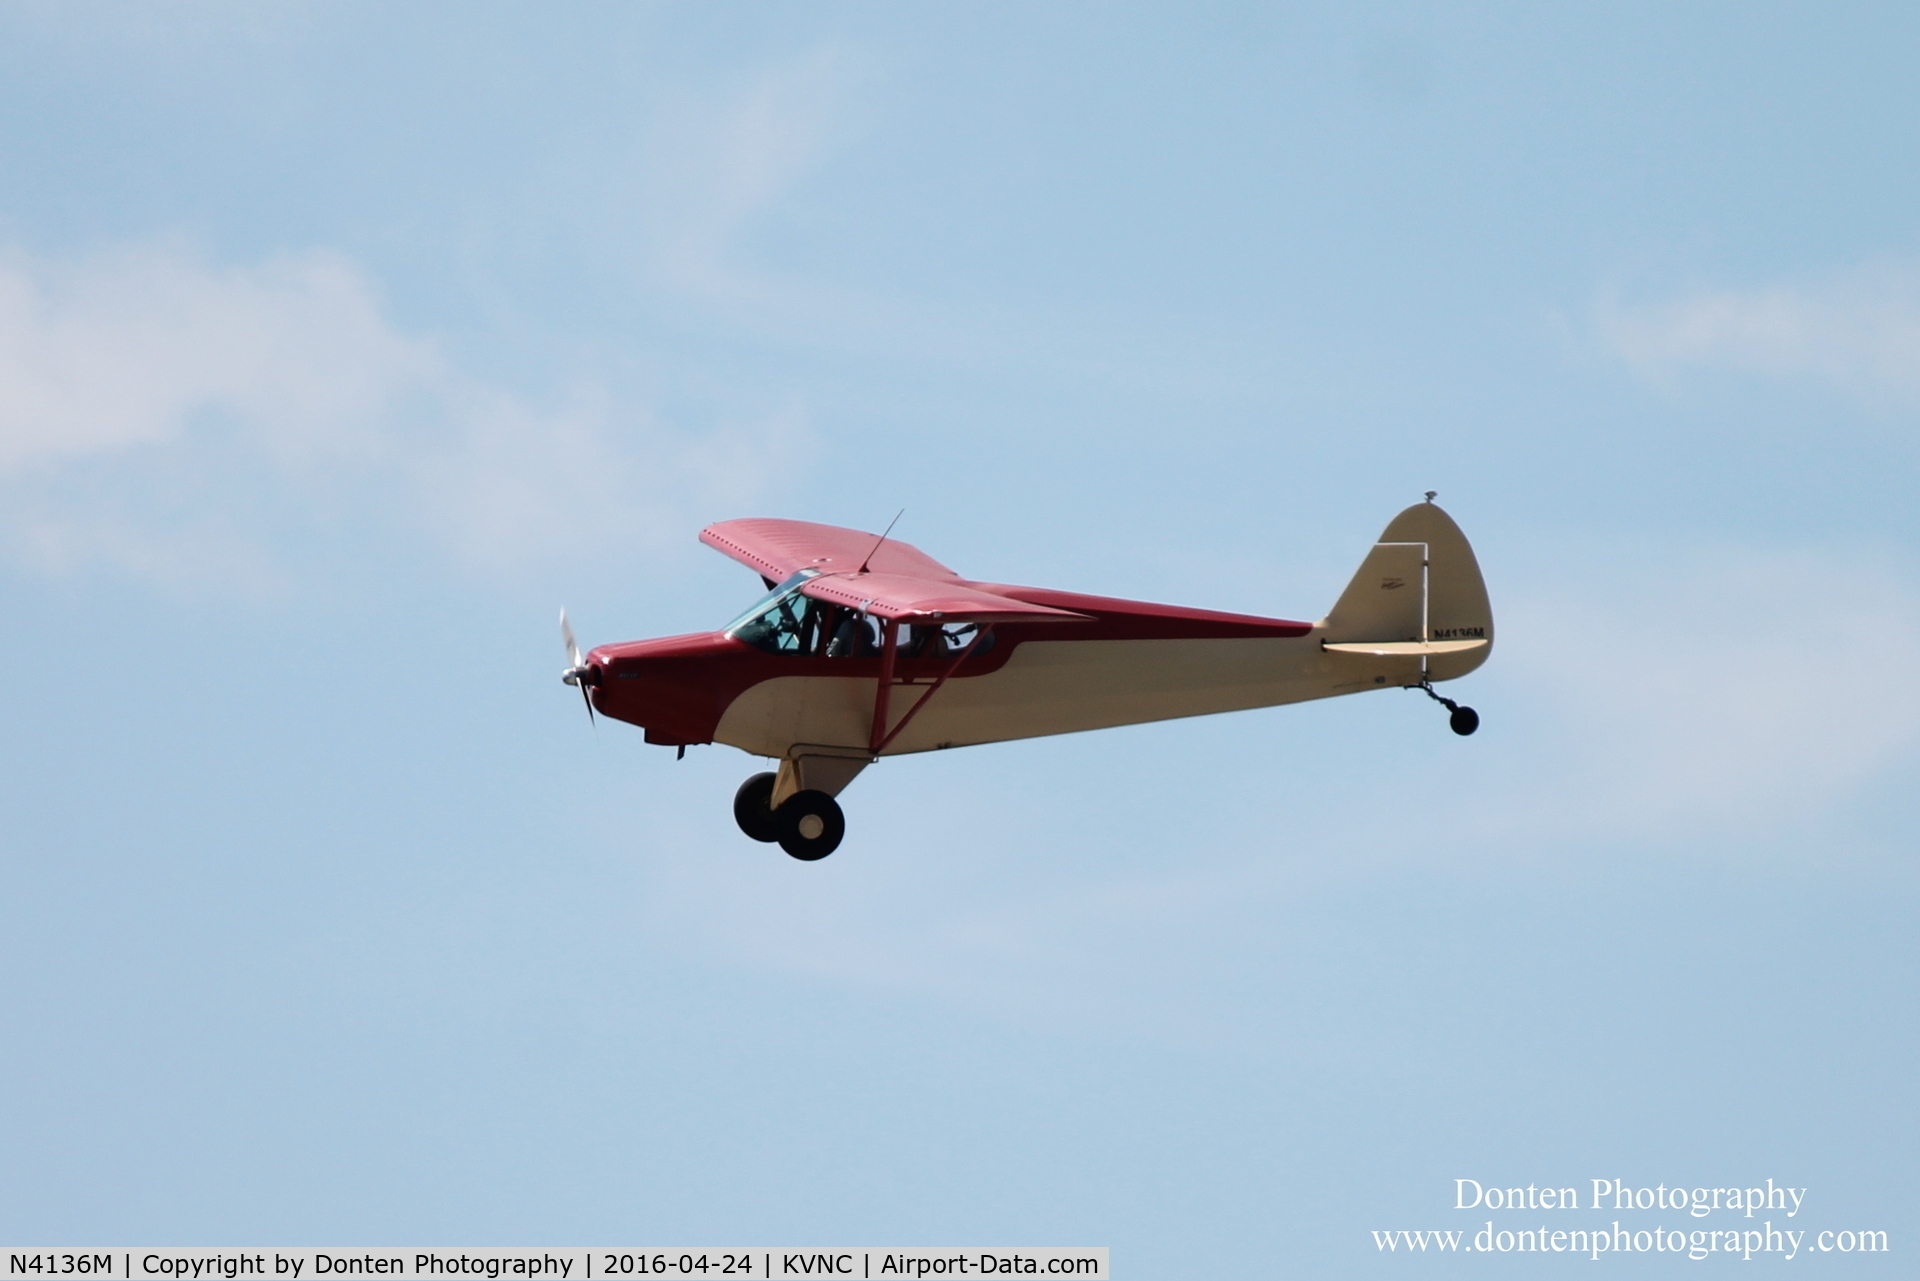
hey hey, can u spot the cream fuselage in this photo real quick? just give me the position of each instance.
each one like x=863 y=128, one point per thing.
x=1053 y=687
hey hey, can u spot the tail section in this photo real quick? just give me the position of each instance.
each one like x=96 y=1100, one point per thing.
x=1418 y=594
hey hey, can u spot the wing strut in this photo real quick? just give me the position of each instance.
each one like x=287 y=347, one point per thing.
x=883 y=736
x=889 y=648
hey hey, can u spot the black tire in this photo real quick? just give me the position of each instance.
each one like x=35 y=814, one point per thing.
x=810 y=825
x=752 y=810
x=1464 y=721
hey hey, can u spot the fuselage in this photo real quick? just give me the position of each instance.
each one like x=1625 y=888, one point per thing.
x=1130 y=662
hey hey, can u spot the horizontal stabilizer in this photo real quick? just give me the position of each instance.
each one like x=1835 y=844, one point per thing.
x=1404 y=649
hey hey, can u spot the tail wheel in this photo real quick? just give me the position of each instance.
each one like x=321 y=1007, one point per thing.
x=809 y=825
x=1461 y=720
x=753 y=808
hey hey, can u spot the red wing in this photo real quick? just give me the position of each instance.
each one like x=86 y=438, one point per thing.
x=778 y=549
x=921 y=600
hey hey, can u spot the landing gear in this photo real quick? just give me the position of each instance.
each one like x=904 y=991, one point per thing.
x=753 y=810
x=1462 y=720
x=809 y=825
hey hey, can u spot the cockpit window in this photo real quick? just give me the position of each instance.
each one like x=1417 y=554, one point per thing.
x=786 y=622
x=782 y=621
x=771 y=599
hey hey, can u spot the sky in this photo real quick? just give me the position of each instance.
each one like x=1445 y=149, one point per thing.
x=341 y=345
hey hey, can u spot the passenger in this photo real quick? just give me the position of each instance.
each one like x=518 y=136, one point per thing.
x=849 y=638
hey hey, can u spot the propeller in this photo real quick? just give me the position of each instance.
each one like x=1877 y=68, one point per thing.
x=578 y=674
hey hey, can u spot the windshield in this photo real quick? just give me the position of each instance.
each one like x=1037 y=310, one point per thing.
x=772 y=598
x=786 y=622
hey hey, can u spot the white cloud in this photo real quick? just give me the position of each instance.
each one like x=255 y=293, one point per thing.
x=1859 y=331
x=124 y=350
x=163 y=415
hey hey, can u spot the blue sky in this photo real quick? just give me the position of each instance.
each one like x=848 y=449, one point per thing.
x=341 y=345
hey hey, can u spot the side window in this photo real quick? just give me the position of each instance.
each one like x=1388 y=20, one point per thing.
x=786 y=622
x=955 y=637
x=940 y=642
x=854 y=635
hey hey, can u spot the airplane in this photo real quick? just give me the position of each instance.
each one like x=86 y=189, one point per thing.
x=865 y=647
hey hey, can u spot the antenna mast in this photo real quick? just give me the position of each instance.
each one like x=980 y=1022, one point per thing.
x=883 y=538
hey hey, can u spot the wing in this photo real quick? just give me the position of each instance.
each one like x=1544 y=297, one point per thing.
x=781 y=548
x=903 y=583
x=929 y=600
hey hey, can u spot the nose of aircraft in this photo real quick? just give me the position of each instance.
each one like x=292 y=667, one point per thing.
x=674 y=687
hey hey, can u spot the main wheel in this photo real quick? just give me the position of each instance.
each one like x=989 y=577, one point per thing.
x=810 y=825
x=1464 y=721
x=753 y=810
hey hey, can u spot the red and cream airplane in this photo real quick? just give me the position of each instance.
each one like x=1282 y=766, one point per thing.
x=866 y=647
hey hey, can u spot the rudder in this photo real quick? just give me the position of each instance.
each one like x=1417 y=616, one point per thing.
x=1420 y=582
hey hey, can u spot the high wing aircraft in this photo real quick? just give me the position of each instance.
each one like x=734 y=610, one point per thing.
x=865 y=647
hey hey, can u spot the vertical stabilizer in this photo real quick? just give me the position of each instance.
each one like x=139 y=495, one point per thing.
x=1420 y=582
